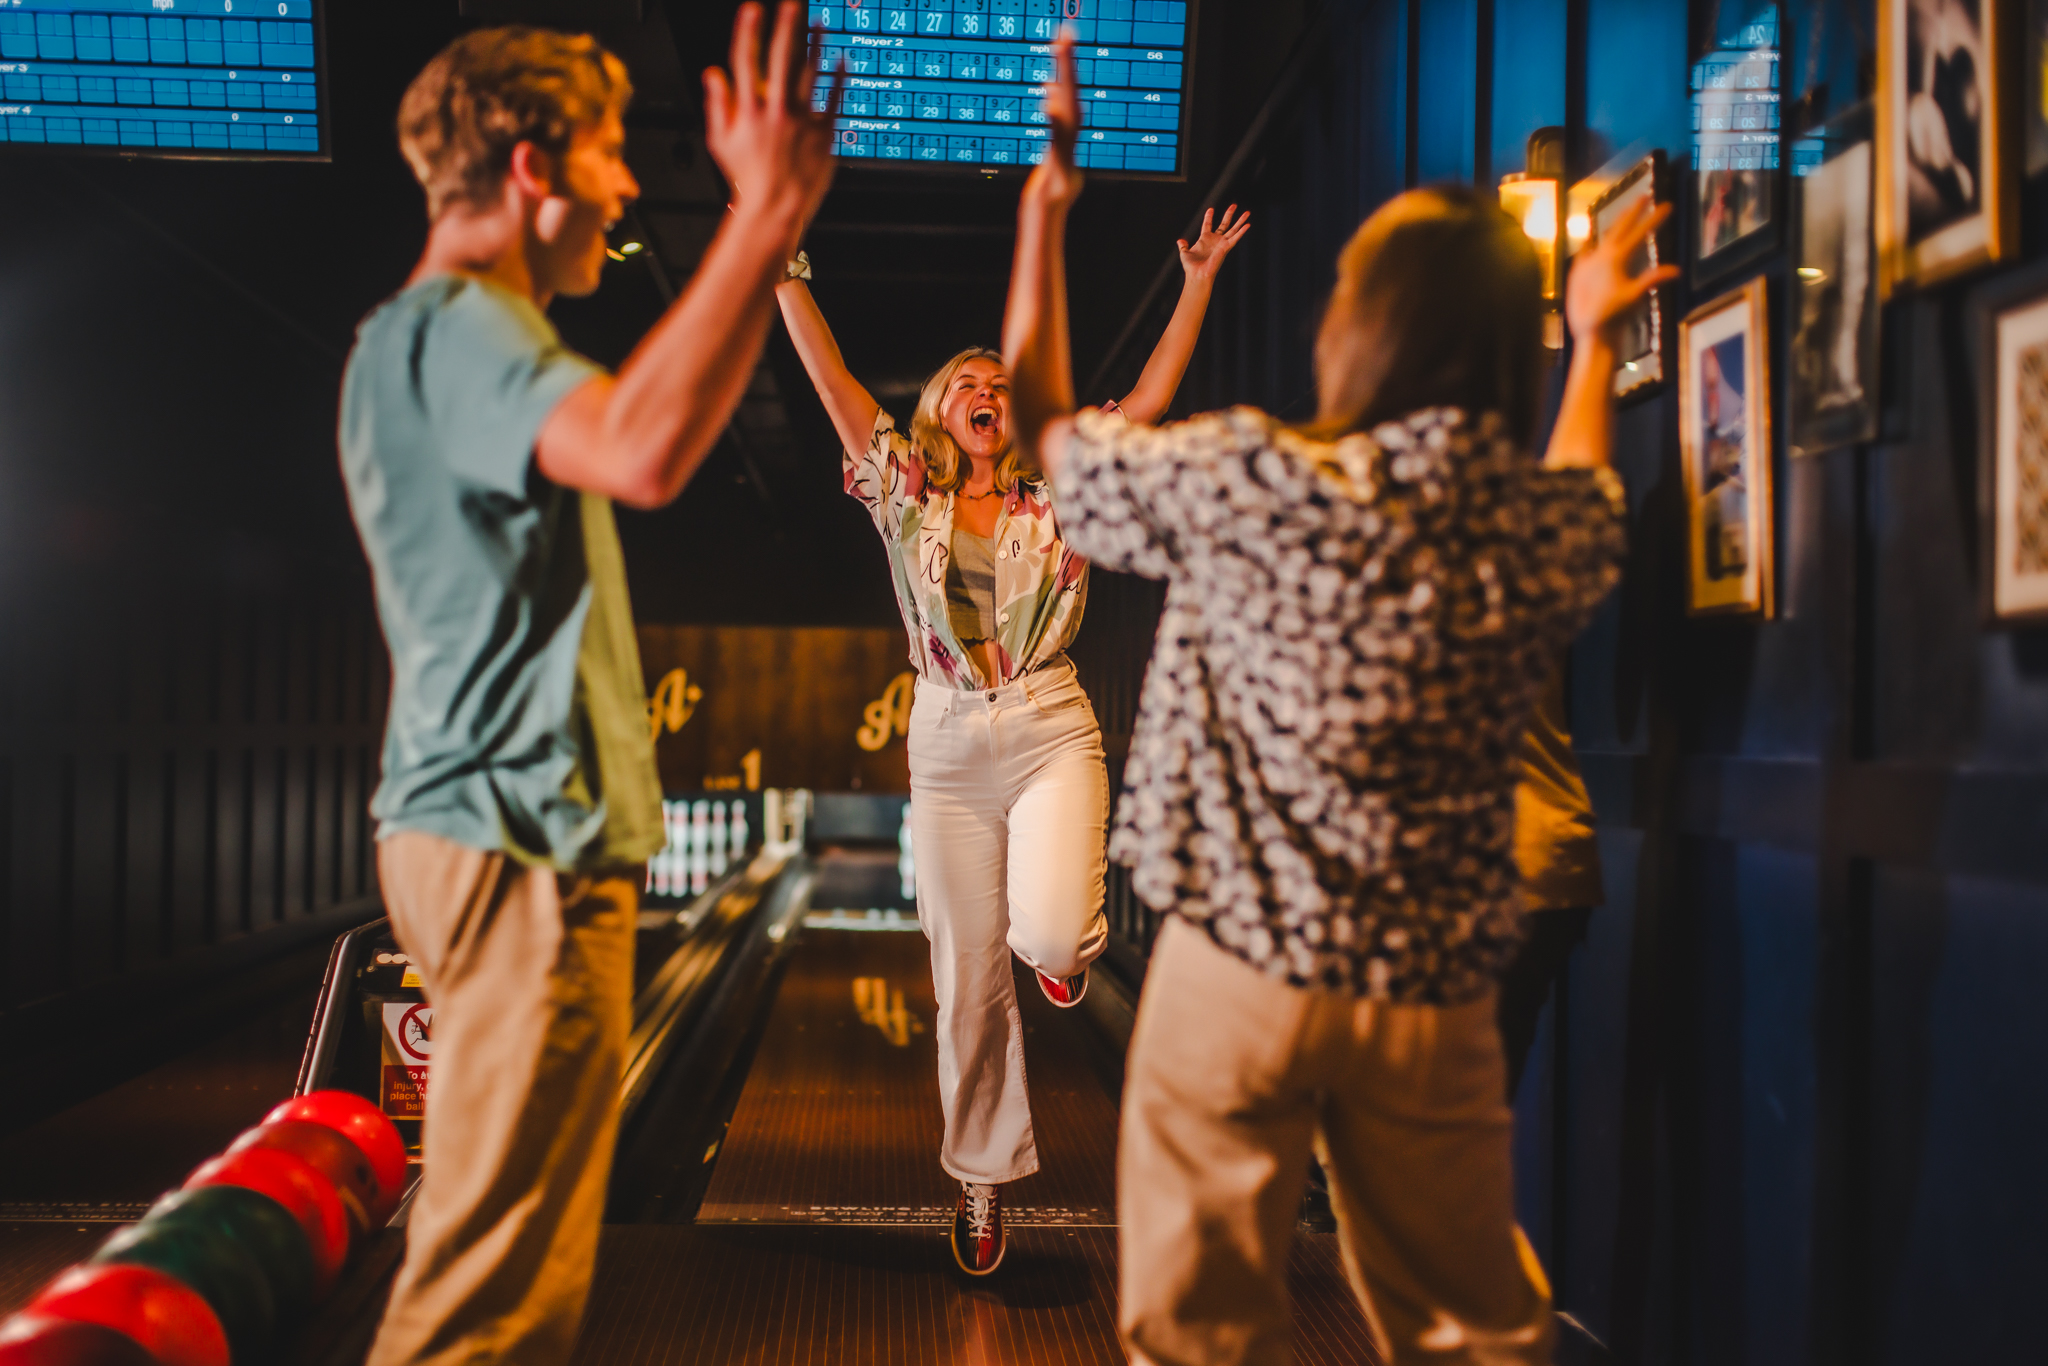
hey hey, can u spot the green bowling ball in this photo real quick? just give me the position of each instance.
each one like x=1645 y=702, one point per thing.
x=268 y=1230
x=192 y=1243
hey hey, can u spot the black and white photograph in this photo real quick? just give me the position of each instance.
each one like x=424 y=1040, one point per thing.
x=1946 y=203
x=1834 y=305
x=1724 y=436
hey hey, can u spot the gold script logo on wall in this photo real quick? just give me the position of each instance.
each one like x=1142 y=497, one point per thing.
x=674 y=702
x=889 y=714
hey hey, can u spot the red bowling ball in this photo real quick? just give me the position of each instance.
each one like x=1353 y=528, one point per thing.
x=333 y=1156
x=39 y=1340
x=363 y=1124
x=167 y=1318
x=301 y=1188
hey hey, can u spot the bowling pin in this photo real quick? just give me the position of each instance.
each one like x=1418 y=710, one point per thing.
x=739 y=831
x=700 y=838
x=672 y=853
x=718 y=839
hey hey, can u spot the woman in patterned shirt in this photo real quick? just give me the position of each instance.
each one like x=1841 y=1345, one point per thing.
x=1009 y=793
x=1321 y=784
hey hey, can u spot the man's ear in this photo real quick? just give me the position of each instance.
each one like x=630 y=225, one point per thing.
x=532 y=171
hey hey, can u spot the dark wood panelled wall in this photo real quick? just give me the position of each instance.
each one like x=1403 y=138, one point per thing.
x=1793 y=1106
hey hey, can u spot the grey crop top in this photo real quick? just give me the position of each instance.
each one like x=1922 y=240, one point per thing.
x=971 y=587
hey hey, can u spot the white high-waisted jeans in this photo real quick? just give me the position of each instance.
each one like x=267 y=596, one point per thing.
x=1008 y=802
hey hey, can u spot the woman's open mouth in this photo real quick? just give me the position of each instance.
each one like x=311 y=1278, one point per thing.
x=986 y=421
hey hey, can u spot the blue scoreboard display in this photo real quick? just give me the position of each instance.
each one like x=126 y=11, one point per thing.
x=205 y=78
x=962 y=82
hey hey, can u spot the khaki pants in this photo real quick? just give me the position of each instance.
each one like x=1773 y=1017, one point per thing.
x=531 y=977
x=1232 y=1076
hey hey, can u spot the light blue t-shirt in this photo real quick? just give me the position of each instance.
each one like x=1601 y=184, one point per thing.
x=518 y=713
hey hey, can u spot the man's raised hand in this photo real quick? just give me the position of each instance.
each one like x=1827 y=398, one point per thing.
x=761 y=127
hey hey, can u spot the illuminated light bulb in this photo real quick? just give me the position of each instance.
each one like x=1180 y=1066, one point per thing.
x=1539 y=218
x=1630 y=365
x=1578 y=228
x=1812 y=273
x=630 y=247
x=614 y=255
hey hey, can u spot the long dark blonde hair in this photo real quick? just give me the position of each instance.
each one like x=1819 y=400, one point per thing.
x=1439 y=303
x=943 y=465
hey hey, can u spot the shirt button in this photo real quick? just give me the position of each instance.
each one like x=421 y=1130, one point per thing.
x=991 y=697
x=1003 y=554
x=1002 y=617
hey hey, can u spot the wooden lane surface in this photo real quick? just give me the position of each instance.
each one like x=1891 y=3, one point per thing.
x=821 y=1238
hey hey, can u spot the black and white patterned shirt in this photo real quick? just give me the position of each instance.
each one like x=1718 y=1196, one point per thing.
x=1323 y=771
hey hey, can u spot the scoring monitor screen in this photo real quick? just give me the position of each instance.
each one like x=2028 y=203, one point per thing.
x=209 y=78
x=961 y=82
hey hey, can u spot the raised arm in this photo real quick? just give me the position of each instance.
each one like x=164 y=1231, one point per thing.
x=851 y=407
x=1598 y=296
x=639 y=436
x=1153 y=394
x=1035 y=342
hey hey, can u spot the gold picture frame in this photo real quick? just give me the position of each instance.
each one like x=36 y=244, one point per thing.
x=1724 y=439
x=1947 y=154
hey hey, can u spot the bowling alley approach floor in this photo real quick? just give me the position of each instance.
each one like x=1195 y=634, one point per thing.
x=822 y=1235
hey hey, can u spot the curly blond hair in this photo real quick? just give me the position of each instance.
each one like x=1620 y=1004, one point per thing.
x=935 y=445
x=489 y=91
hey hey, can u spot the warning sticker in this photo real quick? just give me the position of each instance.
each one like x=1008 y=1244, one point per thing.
x=408 y=1044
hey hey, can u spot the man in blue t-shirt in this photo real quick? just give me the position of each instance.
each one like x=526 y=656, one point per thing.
x=519 y=797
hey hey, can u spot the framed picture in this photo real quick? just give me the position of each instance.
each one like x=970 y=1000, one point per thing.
x=1947 y=198
x=1724 y=438
x=1641 y=352
x=1735 y=185
x=1833 y=355
x=2013 y=481
x=2034 y=54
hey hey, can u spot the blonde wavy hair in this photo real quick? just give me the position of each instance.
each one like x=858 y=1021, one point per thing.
x=935 y=445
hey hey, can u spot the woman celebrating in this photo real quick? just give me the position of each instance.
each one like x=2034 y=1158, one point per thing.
x=1008 y=791
x=1359 y=617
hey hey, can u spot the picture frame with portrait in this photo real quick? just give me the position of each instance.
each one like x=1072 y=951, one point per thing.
x=1947 y=153
x=2010 y=317
x=1833 y=357
x=1724 y=439
x=1640 y=360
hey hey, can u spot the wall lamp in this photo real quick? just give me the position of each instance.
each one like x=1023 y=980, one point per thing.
x=1535 y=198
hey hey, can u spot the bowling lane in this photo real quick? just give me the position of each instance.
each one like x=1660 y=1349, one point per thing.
x=821 y=1236
x=66 y=1181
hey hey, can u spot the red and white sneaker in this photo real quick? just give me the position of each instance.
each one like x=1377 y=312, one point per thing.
x=1064 y=991
x=978 y=1240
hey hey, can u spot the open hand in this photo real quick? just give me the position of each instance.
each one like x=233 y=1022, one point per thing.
x=1602 y=288
x=1202 y=260
x=761 y=127
x=1056 y=181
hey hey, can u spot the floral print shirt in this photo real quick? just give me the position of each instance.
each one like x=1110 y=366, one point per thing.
x=1323 y=771
x=1041 y=584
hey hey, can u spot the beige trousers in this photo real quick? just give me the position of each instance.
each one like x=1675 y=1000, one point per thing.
x=1008 y=799
x=531 y=977
x=1232 y=1076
